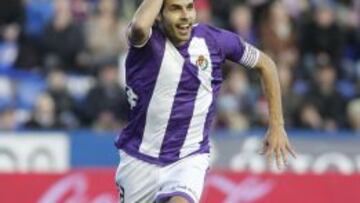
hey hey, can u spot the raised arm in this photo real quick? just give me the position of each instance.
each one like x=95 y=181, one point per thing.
x=276 y=142
x=140 y=27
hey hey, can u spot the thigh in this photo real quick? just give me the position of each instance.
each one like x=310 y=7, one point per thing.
x=136 y=180
x=184 y=178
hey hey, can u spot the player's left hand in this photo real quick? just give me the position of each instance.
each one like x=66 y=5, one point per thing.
x=276 y=144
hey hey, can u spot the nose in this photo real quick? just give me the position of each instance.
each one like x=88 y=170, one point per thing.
x=185 y=14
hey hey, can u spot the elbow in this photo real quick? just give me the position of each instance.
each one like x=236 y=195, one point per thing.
x=138 y=33
x=266 y=64
x=137 y=29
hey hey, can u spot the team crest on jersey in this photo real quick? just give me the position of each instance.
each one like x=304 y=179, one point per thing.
x=202 y=62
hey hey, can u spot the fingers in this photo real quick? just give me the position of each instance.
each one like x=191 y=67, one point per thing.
x=291 y=150
x=269 y=154
x=284 y=156
x=264 y=148
x=278 y=156
x=267 y=151
x=269 y=159
x=280 y=153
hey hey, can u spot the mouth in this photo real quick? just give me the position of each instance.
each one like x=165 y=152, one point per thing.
x=183 y=29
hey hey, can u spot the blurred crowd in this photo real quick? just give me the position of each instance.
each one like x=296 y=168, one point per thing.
x=62 y=61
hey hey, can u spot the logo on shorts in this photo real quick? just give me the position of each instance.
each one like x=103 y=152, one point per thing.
x=202 y=62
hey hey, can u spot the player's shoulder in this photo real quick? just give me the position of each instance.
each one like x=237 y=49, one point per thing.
x=213 y=33
x=207 y=29
x=207 y=32
x=211 y=29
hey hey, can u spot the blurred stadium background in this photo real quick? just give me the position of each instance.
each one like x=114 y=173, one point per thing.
x=62 y=100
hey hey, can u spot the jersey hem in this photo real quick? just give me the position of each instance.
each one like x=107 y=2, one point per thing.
x=158 y=161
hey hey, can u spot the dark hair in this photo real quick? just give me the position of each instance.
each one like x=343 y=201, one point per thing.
x=163 y=5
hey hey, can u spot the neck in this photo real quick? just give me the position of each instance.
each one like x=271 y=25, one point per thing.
x=175 y=42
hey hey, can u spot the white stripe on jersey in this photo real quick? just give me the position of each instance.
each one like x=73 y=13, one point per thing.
x=250 y=57
x=203 y=100
x=159 y=110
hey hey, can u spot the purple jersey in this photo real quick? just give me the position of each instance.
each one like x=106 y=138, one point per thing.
x=172 y=92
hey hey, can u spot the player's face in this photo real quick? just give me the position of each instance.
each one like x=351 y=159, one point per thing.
x=177 y=18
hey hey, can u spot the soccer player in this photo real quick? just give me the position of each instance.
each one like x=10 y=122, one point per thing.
x=173 y=78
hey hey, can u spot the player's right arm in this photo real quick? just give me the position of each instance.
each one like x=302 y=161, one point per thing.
x=144 y=18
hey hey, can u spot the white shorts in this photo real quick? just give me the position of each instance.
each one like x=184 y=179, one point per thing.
x=142 y=182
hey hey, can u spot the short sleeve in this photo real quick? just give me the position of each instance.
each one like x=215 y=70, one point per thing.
x=236 y=49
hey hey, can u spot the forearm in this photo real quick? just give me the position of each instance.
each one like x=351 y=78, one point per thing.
x=271 y=87
x=143 y=20
x=146 y=14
